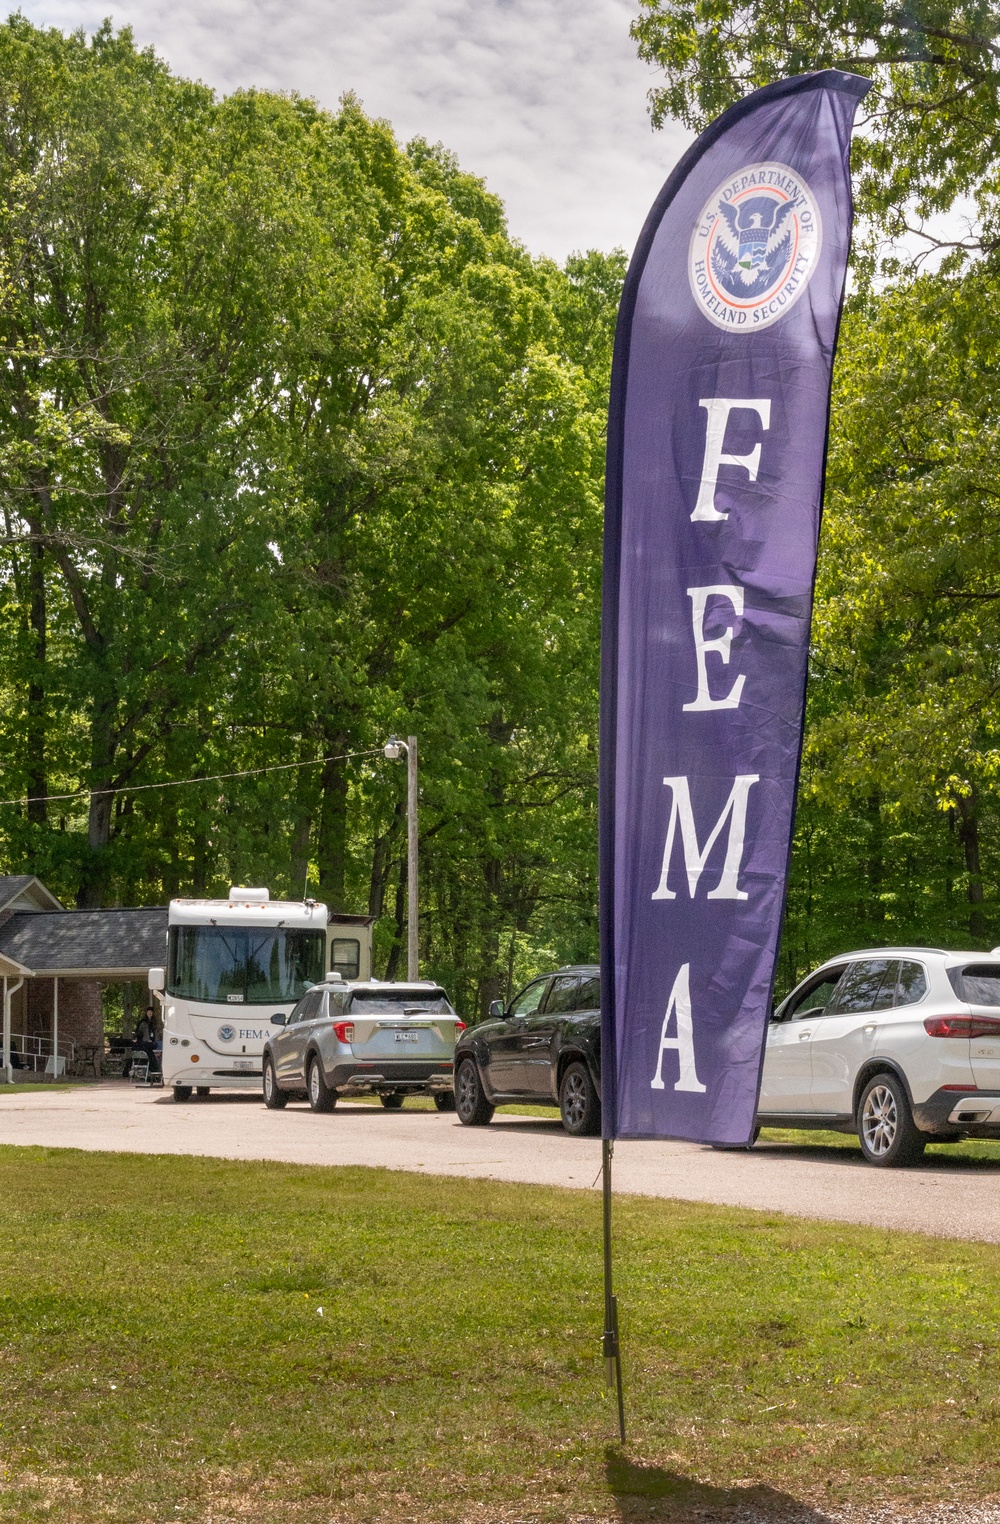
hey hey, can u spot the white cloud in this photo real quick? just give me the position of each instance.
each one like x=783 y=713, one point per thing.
x=544 y=98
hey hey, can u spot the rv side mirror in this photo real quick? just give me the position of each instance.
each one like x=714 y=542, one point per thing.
x=497 y=1010
x=279 y=1019
x=156 y=979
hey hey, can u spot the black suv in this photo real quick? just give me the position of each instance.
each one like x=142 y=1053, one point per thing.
x=544 y=1047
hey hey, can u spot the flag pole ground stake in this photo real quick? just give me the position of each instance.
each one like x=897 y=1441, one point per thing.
x=611 y=1343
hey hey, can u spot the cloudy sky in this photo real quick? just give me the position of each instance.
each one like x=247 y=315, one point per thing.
x=544 y=98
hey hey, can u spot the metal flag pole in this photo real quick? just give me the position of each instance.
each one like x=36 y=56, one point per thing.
x=611 y=1344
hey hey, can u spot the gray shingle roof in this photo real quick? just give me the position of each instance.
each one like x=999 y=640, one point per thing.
x=13 y=884
x=109 y=943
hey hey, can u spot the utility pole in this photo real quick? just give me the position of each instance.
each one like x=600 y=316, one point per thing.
x=412 y=892
x=392 y=749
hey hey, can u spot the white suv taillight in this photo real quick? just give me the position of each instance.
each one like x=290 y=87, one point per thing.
x=961 y=1026
x=344 y=1031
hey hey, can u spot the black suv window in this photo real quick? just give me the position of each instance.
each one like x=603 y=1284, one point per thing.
x=590 y=993
x=563 y=996
x=977 y=983
x=528 y=1001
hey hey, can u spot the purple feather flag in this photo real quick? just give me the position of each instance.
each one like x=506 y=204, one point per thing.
x=717 y=439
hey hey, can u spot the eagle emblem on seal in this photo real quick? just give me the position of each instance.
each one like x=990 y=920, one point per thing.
x=752 y=248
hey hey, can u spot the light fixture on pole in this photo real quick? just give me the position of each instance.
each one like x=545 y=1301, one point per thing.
x=391 y=750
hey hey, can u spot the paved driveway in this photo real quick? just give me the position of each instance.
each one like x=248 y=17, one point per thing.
x=952 y=1197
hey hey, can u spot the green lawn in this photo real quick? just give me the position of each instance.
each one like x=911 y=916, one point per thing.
x=21 y=1088
x=164 y=1354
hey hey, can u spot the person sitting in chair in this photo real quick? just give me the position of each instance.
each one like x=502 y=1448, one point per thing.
x=146 y=1035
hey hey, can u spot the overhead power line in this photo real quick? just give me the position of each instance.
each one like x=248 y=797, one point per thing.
x=138 y=788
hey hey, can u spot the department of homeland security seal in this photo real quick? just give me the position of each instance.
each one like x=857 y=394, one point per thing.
x=754 y=247
x=226 y=1033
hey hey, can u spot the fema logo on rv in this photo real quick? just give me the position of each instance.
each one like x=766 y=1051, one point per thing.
x=754 y=248
x=227 y=1034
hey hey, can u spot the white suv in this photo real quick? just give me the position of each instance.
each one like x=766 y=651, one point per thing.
x=898 y=1044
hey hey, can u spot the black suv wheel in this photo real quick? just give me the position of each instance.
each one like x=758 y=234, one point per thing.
x=474 y=1110
x=579 y=1103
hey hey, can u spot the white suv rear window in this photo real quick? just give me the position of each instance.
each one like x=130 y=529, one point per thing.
x=977 y=983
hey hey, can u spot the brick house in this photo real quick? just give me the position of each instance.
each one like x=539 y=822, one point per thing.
x=54 y=961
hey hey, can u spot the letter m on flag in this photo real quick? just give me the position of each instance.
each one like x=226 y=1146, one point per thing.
x=695 y=858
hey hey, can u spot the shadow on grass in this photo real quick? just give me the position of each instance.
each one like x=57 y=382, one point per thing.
x=642 y=1491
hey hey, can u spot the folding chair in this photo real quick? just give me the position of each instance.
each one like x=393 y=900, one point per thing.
x=146 y=1072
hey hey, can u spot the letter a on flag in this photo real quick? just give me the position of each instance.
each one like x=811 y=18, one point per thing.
x=716 y=445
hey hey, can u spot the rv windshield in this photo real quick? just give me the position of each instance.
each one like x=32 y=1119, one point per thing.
x=240 y=966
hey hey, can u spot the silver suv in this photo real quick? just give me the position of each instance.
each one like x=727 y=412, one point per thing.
x=352 y=1038
x=898 y=1044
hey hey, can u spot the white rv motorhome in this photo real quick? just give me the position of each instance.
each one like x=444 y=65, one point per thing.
x=232 y=965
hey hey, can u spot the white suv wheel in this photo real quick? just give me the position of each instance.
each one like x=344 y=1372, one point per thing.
x=886 y=1130
x=880 y=1120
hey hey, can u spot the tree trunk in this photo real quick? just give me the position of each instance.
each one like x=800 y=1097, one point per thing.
x=199 y=850
x=36 y=728
x=171 y=877
x=298 y=861
x=392 y=966
x=382 y=862
x=492 y=982
x=303 y=813
x=875 y=866
x=968 y=835
x=331 y=845
x=96 y=871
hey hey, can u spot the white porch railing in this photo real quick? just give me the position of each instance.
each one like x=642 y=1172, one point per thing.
x=35 y=1049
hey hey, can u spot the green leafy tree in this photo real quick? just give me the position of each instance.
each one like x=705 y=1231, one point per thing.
x=928 y=137
x=152 y=248
x=300 y=448
x=898 y=830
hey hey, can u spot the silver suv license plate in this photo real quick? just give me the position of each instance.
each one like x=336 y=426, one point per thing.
x=406 y=1037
